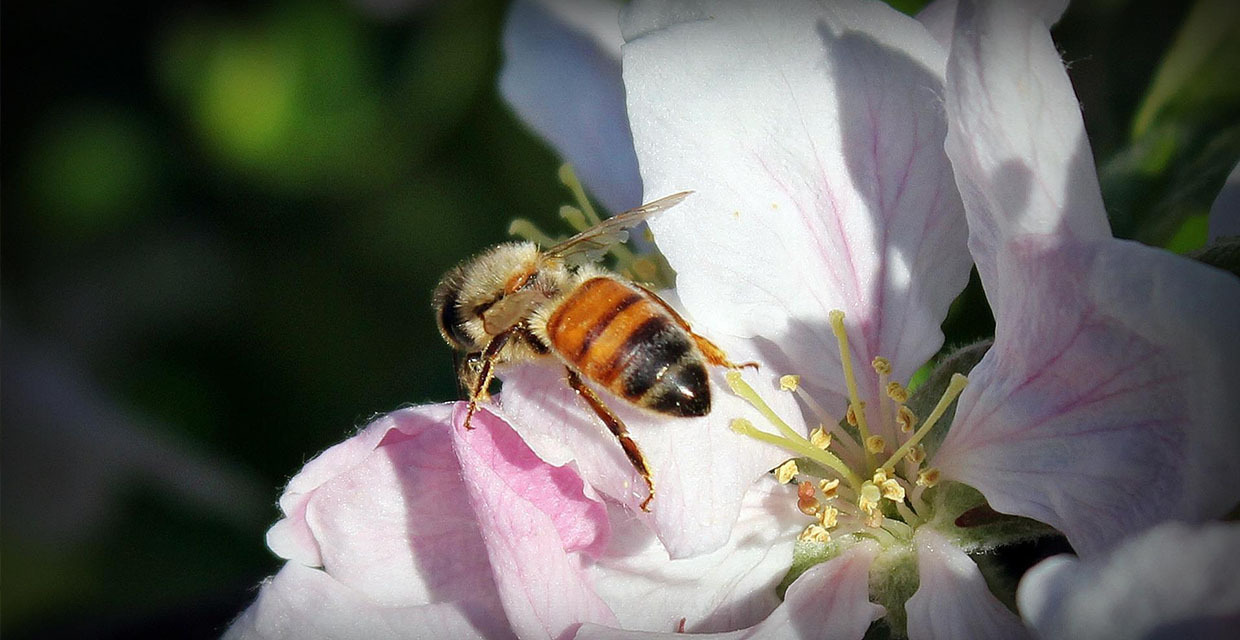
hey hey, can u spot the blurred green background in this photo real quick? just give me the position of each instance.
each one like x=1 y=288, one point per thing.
x=222 y=223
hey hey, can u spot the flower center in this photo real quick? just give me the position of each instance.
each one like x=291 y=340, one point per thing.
x=849 y=480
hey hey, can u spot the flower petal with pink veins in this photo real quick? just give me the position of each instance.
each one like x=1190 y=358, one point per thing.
x=1015 y=134
x=830 y=601
x=561 y=75
x=701 y=468
x=953 y=600
x=811 y=134
x=531 y=515
x=301 y=603
x=1106 y=404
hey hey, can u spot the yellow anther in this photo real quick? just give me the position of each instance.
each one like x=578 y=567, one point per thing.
x=892 y=490
x=789 y=382
x=814 y=533
x=828 y=488
x=928 y=477
x=897 y=392
x=954 y=387
x=881 y=365
x=786 y=471
x=875 y=444
x=906 y=419
x=829 y=517
x=917 y=455
x=869 y=496
x=820 y=438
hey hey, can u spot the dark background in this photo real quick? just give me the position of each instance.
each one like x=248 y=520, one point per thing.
x=222 y=223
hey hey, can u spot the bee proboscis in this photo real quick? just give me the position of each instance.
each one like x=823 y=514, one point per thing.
x=516 y=303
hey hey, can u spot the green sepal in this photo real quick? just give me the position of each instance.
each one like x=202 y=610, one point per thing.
x=962 y=514
x=805 y=555
x=893 y=580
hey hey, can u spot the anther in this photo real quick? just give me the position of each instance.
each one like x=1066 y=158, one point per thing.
x=954 y=387
x=869 y=496
x=806 y=501
x=897 y=392
x=829 y=517
x=906 y=419
x=875 y=444
x=882 y=366
x=917 y=455
x=820 y=438
x=785 y=472
x=814 y=533
x=789 y=382
x=928 y=477
x=828 y=488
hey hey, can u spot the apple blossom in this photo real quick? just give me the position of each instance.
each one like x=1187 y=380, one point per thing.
x=821 y=185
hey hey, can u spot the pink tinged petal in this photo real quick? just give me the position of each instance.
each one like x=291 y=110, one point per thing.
x=828 y=602
x=732 y=587
x=939 y=18
x=1225 y=213
x=561 y=75
x=1015 y=134
x=1106 y=404
x=812 y=136
x=1173 y=581
x=953 y=600
x=301 y=603
x=701 y=468
x=532 y=515
x=291 y=537
x=397 y=526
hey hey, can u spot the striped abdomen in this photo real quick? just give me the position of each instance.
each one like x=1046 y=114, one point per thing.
x=620 y=337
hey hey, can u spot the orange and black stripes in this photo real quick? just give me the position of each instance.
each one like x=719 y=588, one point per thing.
x=618 y=336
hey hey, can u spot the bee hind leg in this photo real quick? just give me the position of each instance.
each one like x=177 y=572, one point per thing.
x=617 y=428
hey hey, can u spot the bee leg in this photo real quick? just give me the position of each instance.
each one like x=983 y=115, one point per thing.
x=486 y=371
x=711 y=351
x=617 y=428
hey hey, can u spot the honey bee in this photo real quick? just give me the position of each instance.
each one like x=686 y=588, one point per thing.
x=517 y=303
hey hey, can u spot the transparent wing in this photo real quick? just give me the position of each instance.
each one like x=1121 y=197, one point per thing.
x=591 y=244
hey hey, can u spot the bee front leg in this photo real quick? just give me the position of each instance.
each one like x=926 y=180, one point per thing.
x=486 y=371
x=617 y=428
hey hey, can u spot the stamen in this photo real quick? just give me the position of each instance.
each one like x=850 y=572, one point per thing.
x=574 y=217
x=928 y=477
x=786 y=471
x=789 y=383
x=917 y=455
x=875 y=444
x=897 y=392
x=869 y=496
x=526 y=230
x=820 y=438
x=799 y=445
x=828 y=488
x=814 y=533
x=569 y=178
x=906 y=419
x=836 y=318
x=792 y=440
x=882 y=366
x=829 y=517
x=806 y=502
x=957 y=384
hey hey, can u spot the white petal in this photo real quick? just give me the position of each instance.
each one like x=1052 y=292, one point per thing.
x=1107 y=402
x=301 y=603
x=953 y=600
x=828 y=602
x=1173 y=581
x=1225 y=213
x=1015 y=137
x=701 y=468
x=812 y=136
x=732 y=587
x=561 y=74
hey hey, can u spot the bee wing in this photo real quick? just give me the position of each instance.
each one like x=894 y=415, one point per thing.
x=591 y=244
